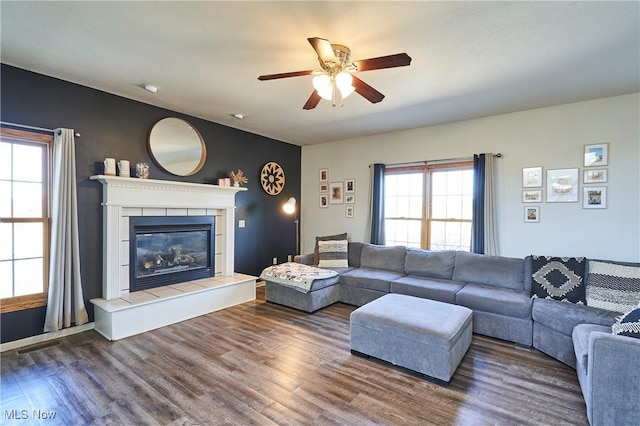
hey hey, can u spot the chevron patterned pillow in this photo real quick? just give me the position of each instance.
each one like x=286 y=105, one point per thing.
x=628 y=324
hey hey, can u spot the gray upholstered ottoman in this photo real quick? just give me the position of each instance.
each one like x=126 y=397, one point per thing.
x=423 y=335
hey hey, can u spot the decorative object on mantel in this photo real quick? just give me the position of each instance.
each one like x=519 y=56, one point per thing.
x=124 y=168
x=272 y=178
x=109 y=167
x=142 y=170
x=238 y=178
x=224 y=182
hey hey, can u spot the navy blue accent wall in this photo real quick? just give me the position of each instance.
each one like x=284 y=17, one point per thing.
x=113 y=126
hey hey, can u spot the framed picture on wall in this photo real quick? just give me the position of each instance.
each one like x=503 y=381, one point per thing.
x=596 y=155
x=324 y=201
x=562 y=186
x=324 y=175
x=324 y=188
x=595 y=176
x=336 y=193
x=349 y=199
x=349 y=212
x=349 y=186
x=532 y=177
x=532 y=214
x=532 y=196
x=595 y=197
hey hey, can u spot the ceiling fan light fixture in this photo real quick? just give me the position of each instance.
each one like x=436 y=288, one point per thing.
x=334 y=81
x=322 y=84
x=346 y=91
x=343 y=82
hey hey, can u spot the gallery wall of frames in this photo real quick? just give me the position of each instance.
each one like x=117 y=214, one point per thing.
x=563 y=185
x=337 y=193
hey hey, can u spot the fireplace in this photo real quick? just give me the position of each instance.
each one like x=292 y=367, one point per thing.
x=166 y=250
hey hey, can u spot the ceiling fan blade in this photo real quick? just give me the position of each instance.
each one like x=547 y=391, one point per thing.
x=323 y=49
x=313 y=101
x=284 y=75
x=391 y=61
x=366 y=91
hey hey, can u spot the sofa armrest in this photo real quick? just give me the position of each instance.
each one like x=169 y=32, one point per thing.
x=614 y=379
x=305 y=259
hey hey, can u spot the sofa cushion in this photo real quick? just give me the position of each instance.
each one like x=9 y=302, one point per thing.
x=613 y=286
x=427 y=288
x=434 y=264
x=558 y=278
x=562 y=316
x=389 y=258
x=332 y=254
x=372 y=279
x=496 y=271
x=628 y=324
x=316 y=257
x=580 y=337
x=500 y=301
x=324 y=282
x=354 y=253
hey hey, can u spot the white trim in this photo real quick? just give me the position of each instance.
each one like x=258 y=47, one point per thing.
x=17 y=344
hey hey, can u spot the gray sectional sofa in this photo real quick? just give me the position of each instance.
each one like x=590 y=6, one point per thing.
x=498 y=291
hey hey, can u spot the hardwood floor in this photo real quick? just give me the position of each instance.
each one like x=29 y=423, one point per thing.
x=264 y=364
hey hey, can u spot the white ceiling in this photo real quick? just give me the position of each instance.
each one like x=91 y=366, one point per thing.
x=470 y=59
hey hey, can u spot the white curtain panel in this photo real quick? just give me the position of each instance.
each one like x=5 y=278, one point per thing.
x=66 y=304
x=490 y=229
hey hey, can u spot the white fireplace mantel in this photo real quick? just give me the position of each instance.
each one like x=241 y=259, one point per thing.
x=120 y=313
x=122 y=195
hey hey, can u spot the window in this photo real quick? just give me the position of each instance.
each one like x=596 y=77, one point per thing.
x=24 y=218
x=429 y=206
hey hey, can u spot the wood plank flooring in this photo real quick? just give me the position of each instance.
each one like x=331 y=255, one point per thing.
x=264 y=364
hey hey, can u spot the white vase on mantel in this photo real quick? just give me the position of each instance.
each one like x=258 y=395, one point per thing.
x=236 y=184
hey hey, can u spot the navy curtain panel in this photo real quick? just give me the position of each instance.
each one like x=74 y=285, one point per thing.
x=477 y=222
x=377 y=204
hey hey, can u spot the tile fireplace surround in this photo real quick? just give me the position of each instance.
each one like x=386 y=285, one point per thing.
x=120 y=314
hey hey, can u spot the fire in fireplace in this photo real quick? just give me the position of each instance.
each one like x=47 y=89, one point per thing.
x=166 y=250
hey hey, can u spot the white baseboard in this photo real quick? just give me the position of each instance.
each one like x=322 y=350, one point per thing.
x=17 y=344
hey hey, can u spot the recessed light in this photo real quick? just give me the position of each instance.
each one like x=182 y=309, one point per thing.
x=151 y=88
x=238 y=116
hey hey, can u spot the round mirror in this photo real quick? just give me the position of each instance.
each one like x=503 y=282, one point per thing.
x=177 y=147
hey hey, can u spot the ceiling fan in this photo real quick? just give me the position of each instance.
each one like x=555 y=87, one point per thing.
x=335 y=80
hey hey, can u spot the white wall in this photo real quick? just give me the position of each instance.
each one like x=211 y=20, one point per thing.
x=551 y=137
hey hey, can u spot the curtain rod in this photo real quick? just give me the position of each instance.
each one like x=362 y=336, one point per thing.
x=23 y=126
x=442 y=160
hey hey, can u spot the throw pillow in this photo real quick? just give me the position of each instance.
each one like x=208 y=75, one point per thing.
x=612 y=286
x=628 y=324
x=336 y=237
x=333 y=254
x=558 y=278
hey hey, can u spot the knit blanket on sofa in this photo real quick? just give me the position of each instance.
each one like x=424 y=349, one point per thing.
x=296 y=275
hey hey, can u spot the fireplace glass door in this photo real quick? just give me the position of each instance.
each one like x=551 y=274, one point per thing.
x=168 y=250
